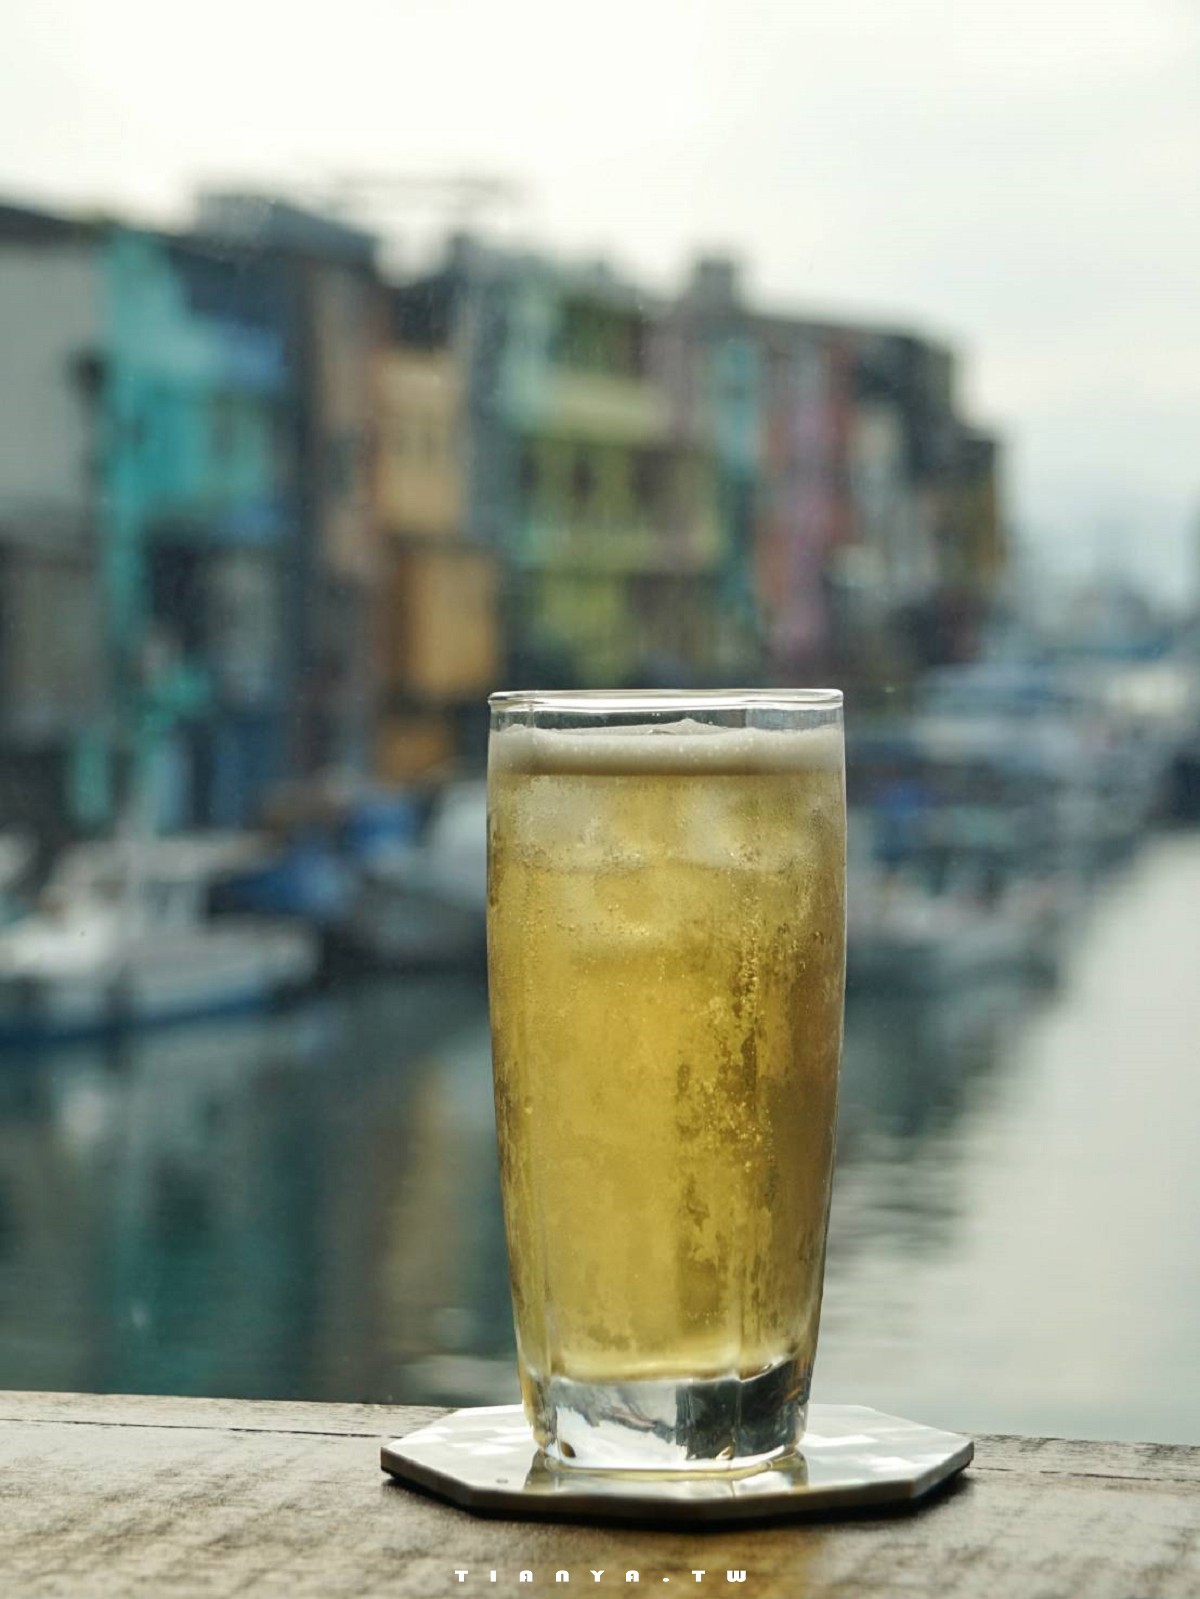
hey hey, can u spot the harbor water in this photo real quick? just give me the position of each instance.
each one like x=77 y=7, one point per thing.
x=305 y=1204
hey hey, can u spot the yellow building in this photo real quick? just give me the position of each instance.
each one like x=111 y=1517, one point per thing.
x=438 y=635
x=419 y=482
x=983 y=556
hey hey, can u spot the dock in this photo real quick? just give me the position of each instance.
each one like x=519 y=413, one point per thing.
x=108 y=1495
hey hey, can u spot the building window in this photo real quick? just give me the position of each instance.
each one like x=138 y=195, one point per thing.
x=224 y=428
x=583 y=483
x=527 y=473
x=649 y=478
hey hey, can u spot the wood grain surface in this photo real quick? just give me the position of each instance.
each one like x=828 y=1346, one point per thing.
x=105 y=1495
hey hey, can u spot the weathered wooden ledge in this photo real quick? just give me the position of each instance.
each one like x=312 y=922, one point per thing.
x=104 y=1495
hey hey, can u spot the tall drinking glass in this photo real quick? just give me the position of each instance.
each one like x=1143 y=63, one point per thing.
x=666 y=932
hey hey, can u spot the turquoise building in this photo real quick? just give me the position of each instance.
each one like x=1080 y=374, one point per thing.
x=194 y=396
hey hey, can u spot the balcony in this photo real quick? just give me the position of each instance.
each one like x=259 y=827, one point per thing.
x=587 y=405
x=596 y=546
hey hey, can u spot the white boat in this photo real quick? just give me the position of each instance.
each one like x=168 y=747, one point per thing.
x=426 y=905
x=122 y=938
x=902 y=936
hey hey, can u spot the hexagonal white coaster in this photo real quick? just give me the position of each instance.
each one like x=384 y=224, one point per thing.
x=850 y=1458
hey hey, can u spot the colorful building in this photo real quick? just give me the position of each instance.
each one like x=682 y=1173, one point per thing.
x=616 y=544
x=714 y=367
x=187 y=511
x=694 y=489
x=146 y=514
x=331 y=294
x=262 y=515
x=197 y=516
x=844 y=466
x=603 y=515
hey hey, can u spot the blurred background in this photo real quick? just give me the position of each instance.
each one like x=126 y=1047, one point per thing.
x=356 y=363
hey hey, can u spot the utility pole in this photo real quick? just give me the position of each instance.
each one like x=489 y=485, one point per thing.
x=397 y=203
x=462 y=197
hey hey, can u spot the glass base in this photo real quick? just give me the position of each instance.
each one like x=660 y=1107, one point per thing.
x=724 y=1424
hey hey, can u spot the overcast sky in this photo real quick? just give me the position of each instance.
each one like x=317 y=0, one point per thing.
x=1021 y=178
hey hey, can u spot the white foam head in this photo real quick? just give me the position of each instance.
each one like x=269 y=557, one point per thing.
x=680 y=748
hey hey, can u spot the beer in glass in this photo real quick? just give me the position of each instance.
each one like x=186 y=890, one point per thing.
x=666 y=932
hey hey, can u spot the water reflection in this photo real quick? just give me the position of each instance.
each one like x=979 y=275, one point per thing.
x=307 y=1204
